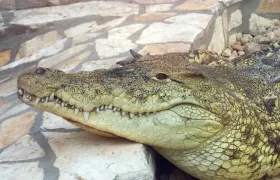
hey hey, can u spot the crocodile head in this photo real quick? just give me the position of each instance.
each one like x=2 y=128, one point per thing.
x=210 y=120
x=153 y=100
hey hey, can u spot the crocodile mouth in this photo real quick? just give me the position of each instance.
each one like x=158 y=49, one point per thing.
x=55 y=102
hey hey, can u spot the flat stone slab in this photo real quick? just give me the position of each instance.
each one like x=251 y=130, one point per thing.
x=45 y=52
x=51 y=121
x=100 y=64
x=158 y=7
x=190 y=19
x=163 y=33
x=15 y=128
x=24 y=149
x=18 y=171
x=87 y=156
x=65 y=55
x=112 y=47
x=45 y=15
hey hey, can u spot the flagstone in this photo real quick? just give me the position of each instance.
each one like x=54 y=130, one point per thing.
x=25 y=148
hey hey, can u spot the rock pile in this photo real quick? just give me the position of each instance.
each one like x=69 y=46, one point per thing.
x=256 y=40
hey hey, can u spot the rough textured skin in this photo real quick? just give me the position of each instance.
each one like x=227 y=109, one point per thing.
x=212 y=118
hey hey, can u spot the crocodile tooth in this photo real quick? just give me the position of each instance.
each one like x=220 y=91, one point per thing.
x=47 y=99
x=140 y=114
x=110 y=106
x=123 y=113
x=37 y=100
x=106 y=107
x=86 y=115
x=76 y=111
x=43 y=100
x=115 y=109
x=58 y=101
x=27 y=96
x=51 y=98
x=66 y=104
x=102 y=107
x=72 y=107
x=131 y=115
x=63 y=104
x=97 y=110
x=20 y=92
x=30 y=98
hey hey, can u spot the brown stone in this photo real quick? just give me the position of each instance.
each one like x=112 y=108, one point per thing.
x=267 y=6
x=35 y=44
x=196 y=5
x=15 y=128
x=237 y=47
x=3 y=105
x=5 y=57
x=25 y=4
x=56 y=2
x=7 y=4
x=165 y=48
x=73 y=62
x=153 y=16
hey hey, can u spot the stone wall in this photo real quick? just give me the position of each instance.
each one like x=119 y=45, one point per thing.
x=28 y=35
x=25 y=4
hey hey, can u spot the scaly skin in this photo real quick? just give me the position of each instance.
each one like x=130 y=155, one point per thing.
x=212 y=118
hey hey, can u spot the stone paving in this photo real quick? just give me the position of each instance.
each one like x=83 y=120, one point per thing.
x=87 y=36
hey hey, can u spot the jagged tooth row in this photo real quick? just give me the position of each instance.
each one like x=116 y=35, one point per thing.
x=60 y=103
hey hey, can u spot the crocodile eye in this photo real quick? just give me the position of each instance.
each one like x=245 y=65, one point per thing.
x=40 y=71
x=161 y=76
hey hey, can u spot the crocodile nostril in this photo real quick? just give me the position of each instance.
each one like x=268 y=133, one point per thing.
x=40 y=71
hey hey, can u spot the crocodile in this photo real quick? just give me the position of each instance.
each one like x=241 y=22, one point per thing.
x=210 y=117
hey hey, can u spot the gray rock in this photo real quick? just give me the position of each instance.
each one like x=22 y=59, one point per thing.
x=252 y=47
x=235 y=20
x=254 y=32
x=257 y=21
x=232 y=39
x=276 y=32
x=250 y=37
x=226 y=52
x=244 y=40
x=257 y=38
x=234 y=53
x=240 y=53
x=231 y=57
x=264 y=40
x=238 y=36
x=261 y=30
x=218 y=41
x=271 y=35
x=276 y=22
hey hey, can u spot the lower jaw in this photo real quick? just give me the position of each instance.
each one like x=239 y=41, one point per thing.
x=70 y=115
